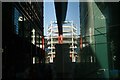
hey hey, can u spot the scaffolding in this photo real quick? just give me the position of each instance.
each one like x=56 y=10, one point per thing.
x=69 y=37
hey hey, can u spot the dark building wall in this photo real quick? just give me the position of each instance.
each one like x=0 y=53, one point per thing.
x=114 y=31
x=18 y=49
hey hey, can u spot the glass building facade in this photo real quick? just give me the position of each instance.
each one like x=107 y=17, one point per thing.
x=18 y=21
x=97 y=47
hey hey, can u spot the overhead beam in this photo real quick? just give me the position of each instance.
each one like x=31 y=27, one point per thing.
x=61 y=10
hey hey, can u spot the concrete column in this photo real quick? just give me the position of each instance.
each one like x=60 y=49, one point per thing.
x=90 y=24
x=63 y=64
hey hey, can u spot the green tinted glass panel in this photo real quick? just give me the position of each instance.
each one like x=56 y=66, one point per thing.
x=100 y=30
x=102 y=57
x=101 y=39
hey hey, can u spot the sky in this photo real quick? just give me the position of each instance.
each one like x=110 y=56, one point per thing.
x=72 y=14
